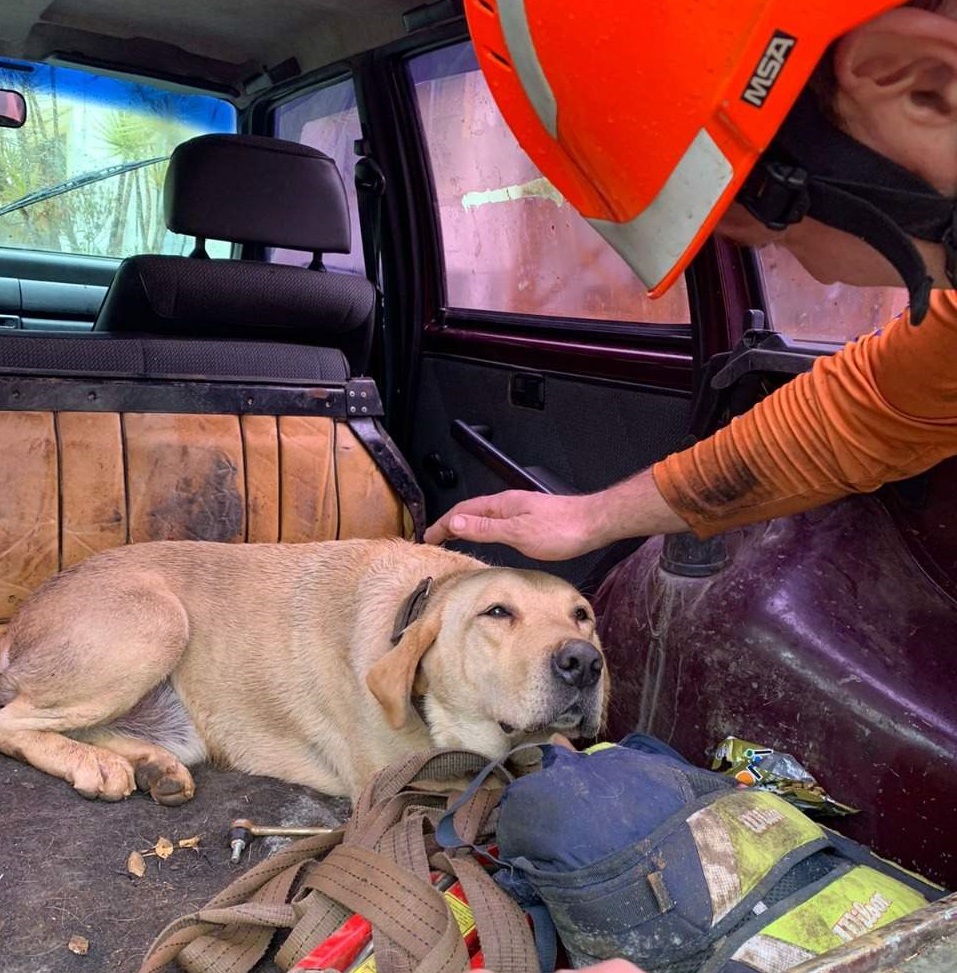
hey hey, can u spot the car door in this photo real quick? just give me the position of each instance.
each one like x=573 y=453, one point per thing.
x=534 y=358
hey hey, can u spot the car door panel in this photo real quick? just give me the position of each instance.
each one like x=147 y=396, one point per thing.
x=587 y=434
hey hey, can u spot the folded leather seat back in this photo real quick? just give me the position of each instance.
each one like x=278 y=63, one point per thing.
x=108 y=440
x=215 y=398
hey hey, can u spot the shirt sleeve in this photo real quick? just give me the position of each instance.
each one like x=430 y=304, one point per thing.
x=882 y=408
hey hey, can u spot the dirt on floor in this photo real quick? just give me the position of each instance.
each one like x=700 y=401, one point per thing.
x=64 y=863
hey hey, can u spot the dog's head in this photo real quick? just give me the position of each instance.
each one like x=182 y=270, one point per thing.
x=497 y=657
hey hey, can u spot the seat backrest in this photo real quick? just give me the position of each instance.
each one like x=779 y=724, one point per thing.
x=116 y=439
x=250 y=190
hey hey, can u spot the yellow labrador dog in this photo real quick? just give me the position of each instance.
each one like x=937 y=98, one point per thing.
x=315 y=663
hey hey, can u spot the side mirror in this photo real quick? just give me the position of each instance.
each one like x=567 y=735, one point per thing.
x=13 y=109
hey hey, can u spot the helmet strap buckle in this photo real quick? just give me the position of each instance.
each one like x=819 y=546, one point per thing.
x=776 y=194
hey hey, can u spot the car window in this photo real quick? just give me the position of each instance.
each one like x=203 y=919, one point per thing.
x=85 y=174
x=511 y=241
x=326 y=119
x=802 y=308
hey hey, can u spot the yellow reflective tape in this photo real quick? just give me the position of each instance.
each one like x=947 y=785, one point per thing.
x=741 y=837
x=595 y=747
x=461 y=912
x=852 y=905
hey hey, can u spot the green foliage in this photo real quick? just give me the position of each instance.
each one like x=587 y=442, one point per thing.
x=66 y=138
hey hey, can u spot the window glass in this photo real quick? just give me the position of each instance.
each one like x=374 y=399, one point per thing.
x=328 y=120
x=802 y=308
x=511 y=242
x=85 y=174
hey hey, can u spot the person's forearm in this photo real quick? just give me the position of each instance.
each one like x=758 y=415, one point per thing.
x=859 y=419
x=631 y=508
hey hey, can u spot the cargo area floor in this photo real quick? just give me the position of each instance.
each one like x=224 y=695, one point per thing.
x=63 y=863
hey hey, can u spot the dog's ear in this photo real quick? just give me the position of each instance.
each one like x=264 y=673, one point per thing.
x=392 y=679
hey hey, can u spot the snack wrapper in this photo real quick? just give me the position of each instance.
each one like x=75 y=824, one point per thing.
x=754 y=765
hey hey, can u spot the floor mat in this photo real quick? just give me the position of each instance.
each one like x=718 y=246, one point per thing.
x=63 y=863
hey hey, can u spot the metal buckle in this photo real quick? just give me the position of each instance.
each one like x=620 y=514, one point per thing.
x=776 y=194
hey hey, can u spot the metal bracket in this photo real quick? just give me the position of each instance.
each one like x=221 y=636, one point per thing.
x=761 y=351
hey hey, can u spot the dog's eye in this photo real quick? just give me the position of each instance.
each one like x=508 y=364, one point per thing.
x=581 y=614
x=497 y=611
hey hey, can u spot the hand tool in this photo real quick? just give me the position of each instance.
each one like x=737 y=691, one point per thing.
x=242 y=831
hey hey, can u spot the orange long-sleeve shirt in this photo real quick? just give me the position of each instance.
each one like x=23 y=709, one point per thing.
x=882 y=408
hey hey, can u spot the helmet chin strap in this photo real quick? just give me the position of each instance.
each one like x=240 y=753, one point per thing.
x=814 y=169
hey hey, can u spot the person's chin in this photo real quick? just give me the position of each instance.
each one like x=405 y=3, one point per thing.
x=835 y=257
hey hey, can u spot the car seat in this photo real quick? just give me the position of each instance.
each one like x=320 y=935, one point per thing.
x=256 y=190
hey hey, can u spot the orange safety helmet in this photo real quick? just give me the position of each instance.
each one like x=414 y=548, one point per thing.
x=648 y=117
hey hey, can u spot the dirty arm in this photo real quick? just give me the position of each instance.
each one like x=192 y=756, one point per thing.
x=881 y=409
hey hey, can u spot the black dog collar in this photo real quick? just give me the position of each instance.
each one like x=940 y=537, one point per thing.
x=411 y=609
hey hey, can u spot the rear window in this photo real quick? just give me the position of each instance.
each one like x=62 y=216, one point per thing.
x=511 y=242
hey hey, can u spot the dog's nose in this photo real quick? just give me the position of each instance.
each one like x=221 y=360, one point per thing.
x=578 y=663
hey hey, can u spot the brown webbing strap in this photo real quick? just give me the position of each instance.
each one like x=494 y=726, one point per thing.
x=256 y=899
x=472 y=817
x=508 y=945
x=318 y=917
x=241 y=939
x=380 y=871
x=427 y=765
x=411 y=912
x=403 y=843
x=368 y=826
x=391 y=819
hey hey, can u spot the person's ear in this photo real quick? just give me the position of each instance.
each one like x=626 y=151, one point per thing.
x=905 y=63
x=897 y=91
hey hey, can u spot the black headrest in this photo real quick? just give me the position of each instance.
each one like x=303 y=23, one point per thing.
x=254 y=189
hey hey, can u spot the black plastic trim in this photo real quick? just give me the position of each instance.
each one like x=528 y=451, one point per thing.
x=516 y=476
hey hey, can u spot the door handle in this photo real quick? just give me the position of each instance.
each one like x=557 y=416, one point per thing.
x=516 y=476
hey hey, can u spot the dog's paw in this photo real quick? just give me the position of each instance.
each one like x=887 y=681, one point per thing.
x=168 y=782
x=101 y=775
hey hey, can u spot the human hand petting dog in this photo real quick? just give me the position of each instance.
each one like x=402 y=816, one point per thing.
x=557 y=527
x=548 y=527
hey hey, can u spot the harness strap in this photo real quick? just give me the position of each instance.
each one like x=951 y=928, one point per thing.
x=393 y=899
x=233 y=931
x=378 y=866
x=507 y=943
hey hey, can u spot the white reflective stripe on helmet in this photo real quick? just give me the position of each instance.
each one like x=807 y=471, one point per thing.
x=525 y=63
x=655 y=240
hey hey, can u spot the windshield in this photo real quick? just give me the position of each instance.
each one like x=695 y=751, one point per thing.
x=85 y=174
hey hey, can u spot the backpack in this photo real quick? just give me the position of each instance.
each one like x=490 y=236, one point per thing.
x=638 y=854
